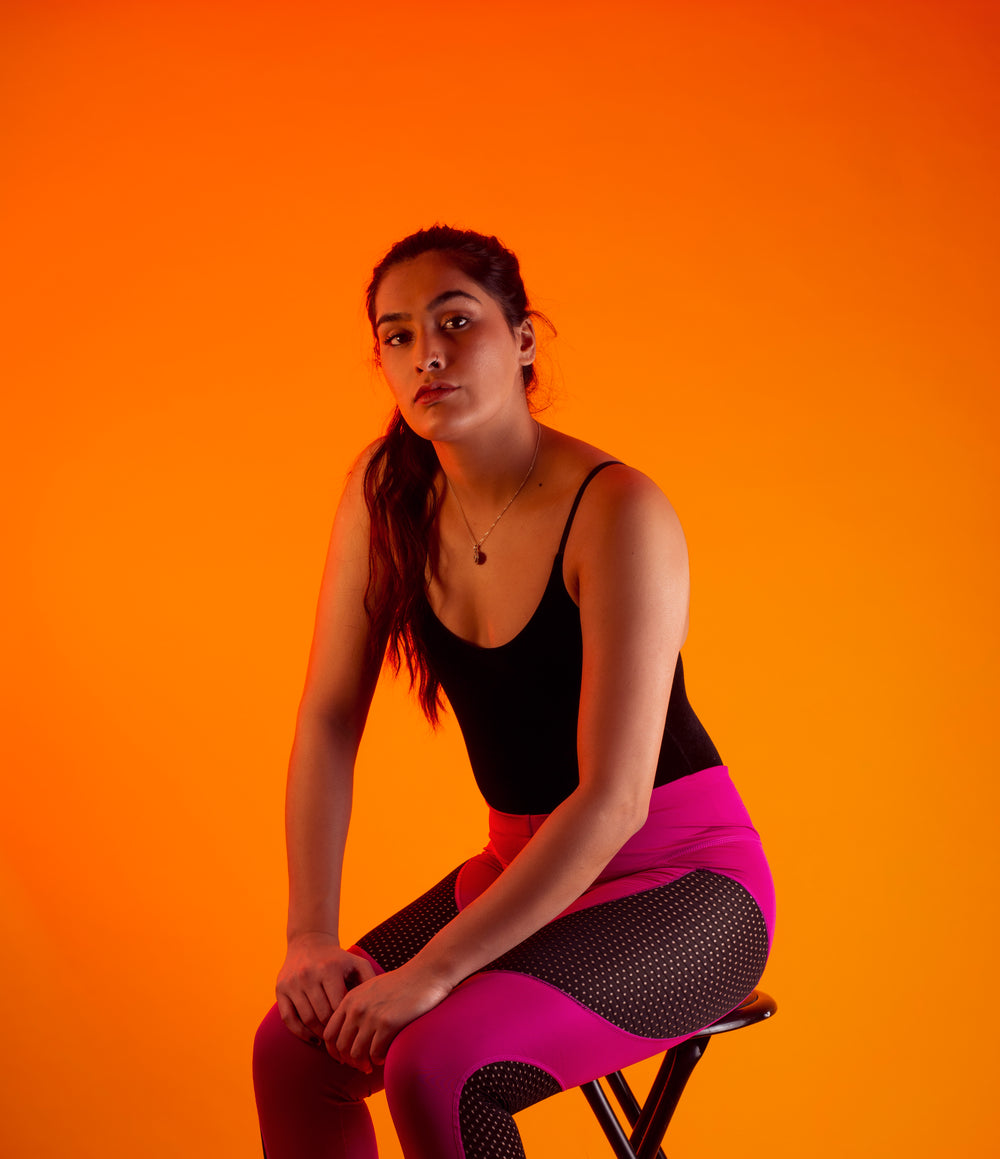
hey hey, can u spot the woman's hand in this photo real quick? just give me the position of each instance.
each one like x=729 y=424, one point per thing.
x=313 y=980
x=371 y=1015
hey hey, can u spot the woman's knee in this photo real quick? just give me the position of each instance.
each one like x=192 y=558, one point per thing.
x=285 y=1067
x=428 y=1061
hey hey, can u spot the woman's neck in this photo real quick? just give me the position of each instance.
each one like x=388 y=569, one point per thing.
x=485 y=468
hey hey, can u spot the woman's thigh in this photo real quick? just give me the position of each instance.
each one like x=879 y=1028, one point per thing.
x=399 y=937
x=595 y=990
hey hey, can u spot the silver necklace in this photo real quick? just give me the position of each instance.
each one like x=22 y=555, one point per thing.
x=478 y=555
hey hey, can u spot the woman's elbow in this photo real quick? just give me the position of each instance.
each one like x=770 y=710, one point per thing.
x=322 y=728
x=624 y=811
x=637 y=814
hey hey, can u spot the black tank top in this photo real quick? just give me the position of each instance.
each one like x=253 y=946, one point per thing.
x=517 y=704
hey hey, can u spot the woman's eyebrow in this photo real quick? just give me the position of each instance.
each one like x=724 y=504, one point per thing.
x=446 y=296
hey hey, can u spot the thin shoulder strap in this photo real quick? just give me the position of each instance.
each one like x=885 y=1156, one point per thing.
x=579 y=495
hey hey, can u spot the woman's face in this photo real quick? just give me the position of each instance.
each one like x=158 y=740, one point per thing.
x=447 y=352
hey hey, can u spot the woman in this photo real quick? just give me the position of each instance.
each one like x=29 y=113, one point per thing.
x=623 y=902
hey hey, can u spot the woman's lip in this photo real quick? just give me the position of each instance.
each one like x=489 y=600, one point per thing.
x=433 y=391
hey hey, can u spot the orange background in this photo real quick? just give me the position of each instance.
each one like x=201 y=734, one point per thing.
x=767 y=233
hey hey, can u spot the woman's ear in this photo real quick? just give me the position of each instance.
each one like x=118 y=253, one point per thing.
x=526 y=337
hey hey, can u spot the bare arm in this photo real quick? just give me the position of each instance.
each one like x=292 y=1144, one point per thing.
x=339 y=686
x=628 y=556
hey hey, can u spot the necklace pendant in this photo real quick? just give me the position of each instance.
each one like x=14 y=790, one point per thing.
x=478 y=555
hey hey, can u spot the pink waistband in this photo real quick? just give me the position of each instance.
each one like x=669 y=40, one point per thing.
x=697 y=822
x=686 y=812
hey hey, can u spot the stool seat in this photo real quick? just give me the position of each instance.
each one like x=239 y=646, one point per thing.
x=649 y=1121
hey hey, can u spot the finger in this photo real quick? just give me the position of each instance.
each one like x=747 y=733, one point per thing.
x=332 y=1032
x=380 y=1044
x=361 y=1032
x=290 y=1017
x=350 y=1045
x=359 y=1055
x=319 y=1000
x=306 y=1013
x=333 y=994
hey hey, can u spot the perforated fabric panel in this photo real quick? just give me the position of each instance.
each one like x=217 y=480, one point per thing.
x=490 y=1097
x=660 y=963
x=398 y=938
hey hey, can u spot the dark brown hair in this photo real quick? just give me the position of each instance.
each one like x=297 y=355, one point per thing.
x=399 y=479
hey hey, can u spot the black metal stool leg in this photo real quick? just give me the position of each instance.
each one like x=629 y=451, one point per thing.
x=662 y=1101
x=594 y=1094
x=625 y=1096
x=628 y=1146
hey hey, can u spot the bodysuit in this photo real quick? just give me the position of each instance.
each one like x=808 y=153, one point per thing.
x=672 y=935
x=517 y=704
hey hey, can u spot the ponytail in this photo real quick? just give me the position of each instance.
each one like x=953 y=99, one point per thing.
x=402 y=504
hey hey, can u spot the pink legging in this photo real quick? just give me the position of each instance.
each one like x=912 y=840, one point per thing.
x=672 y=935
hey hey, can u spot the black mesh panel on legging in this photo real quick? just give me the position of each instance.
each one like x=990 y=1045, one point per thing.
x=398 y=938
x=660 y=963
x=490 y=1096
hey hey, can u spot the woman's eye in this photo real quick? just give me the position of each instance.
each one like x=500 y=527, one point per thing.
x=456 y=322
x=396 y=339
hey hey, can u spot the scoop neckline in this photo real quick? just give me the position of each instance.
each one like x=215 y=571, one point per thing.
x=556 y=569
x=554 y=575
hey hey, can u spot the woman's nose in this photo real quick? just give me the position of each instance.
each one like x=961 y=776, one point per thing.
x=429 y=357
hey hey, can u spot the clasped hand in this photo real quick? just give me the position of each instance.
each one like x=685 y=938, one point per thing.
x=325 y=993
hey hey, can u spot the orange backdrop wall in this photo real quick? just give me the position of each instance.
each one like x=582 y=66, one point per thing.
x=767 y=233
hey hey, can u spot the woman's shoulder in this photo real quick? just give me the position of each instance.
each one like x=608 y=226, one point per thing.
x=621 y=507
x=616 y=489
x=352 y=503
x=354 y=484
x=362 y=460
